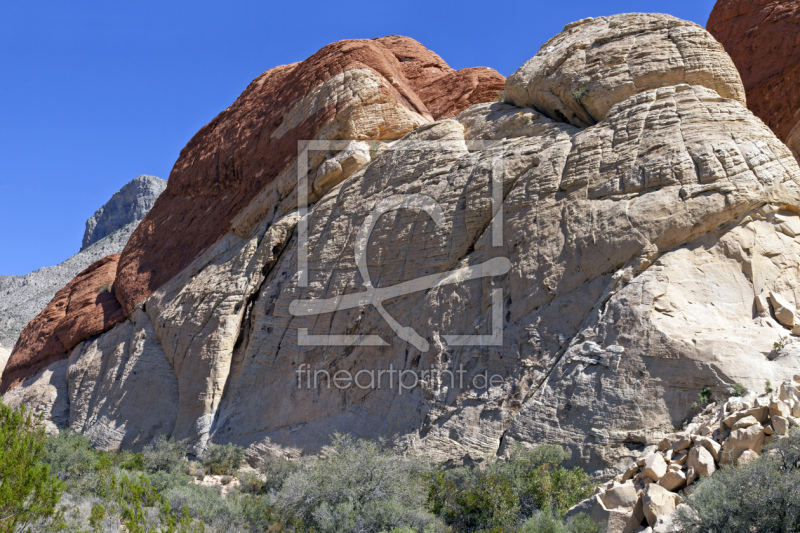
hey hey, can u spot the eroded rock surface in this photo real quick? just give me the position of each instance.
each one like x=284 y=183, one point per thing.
x=601 y=272
x=594 y=64
x=763 y=38
x=84 y=308
x=358 y=90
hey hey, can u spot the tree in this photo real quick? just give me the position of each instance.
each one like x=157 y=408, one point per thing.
x=28 y=492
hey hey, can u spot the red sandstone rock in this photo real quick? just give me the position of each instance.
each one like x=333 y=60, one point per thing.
x=82 y=309
x=763 y=38
x=243 y=149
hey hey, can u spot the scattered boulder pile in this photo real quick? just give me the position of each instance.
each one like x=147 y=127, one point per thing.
x=724 y=433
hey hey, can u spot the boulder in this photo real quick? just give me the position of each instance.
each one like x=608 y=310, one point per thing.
x=580 y=74
x=780 y=425
x=711 y=445
x=747 y=456
x=621 y=496
x=673 y=480
x=784 y=311
x=701 y=460
x=677 y=442
x=751 y=438
x=655 y=467
x=762 y=38
x=779 y=408
x=745 y=422
x=657 y=502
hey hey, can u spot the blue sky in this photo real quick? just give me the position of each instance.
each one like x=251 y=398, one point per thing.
x=95 y=93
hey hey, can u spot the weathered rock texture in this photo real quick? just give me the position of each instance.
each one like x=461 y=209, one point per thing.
x=594 y=64
x=128 y=205
x=643 y=253
x=763 y=38
x=24 y=297
x=361 y=90
x=84 y=308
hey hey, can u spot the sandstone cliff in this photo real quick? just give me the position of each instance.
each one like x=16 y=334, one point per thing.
x=616 y=234
x=128 y=205
x=23 y=297
x=763 y=38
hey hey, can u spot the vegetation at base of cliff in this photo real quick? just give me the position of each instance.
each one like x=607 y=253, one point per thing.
x=356 y=485
x=28 y=492
x=762 y=495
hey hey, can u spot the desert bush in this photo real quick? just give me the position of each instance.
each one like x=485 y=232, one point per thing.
x=237 y=511
x=165 y=455
x=503 y=493
x=275 y=471
x=762 y=495
x=358 y=486
x=222 y=459
x=547 y=522
x=29 y=493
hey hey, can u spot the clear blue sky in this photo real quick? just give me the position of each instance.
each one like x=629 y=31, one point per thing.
x=95 y=93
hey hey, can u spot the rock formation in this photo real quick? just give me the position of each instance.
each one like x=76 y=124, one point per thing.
x=24 y=297
x=725 y=431
x=763 y=38
x=572 y=273
x=128 y=205
x=4 y=355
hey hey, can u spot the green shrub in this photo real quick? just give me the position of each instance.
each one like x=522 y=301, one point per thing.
x=502 y=494
x=275 y=471
x=705 y=395
x=222 y=459
x=165 y=455
x=737 y=389
x=768 y=387
x=762 y=495
x=547 y=522
x=29 y=493
x=237 y=511
x=358 y=486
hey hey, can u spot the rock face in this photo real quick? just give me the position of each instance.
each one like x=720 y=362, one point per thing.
x=128 y=205
x=763 y=38
x=84 y=308
x=594 y=64
x=535 y=279
x=360 y=90
x=24 y=297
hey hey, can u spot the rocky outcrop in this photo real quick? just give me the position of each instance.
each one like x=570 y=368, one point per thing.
x=24 y=297
x=129 y=205
x=360 y=90
x=763 y=38
x=84 y=308
x=536 y=279
x=724 y=432
x=594 y=64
